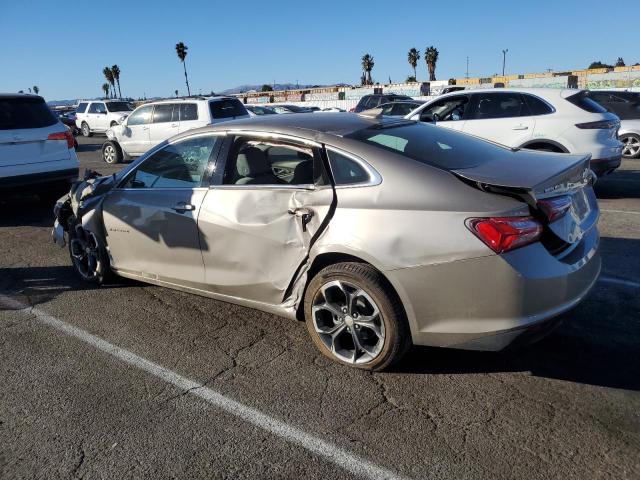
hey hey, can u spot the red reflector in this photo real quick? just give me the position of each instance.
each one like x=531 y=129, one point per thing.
x=66 y=135
x=502 y=234
x=555 y=207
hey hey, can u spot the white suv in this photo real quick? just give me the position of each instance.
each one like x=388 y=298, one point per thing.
x=100 y=115
x=152 y=123
x=36 y=148
x=539 y=119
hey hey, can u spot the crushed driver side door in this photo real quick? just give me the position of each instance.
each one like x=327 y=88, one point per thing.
x=270 y=197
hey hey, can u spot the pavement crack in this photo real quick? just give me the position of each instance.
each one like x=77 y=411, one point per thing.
x=80 y=462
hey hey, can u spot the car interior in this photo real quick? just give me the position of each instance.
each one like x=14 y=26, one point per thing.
x=257 y=162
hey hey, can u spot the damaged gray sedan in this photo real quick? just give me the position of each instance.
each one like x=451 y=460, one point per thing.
x=378 y=233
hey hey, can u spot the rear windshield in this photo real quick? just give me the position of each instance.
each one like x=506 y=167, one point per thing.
x=583 y=101
x=428 y=144
x=25 y=112
x=119 y=107
x=227 y=108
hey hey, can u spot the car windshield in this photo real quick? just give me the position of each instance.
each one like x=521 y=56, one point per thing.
x=428 y=144
x=119 y=107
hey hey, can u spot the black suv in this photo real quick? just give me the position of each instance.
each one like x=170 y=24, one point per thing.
x=372 y=101
x=626 y=105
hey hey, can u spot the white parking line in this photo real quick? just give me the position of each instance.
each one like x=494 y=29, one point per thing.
x=343 y=458
x=620 y=211
x=619 y=281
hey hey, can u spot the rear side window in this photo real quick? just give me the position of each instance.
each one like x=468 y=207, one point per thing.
x=228 y=108
x=97 y=108
x=431 y=145
x=163 y=113
x=25 y=112
x=81 y=107
x=188 y=111
x=537 y=106
x=500 y=105
x=345 y=170
x=582 y=100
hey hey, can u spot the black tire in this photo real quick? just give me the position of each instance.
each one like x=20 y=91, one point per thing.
x=86 y=131
x=96 y=272
x=111 y=152
x=631 y=145
x=367 y=282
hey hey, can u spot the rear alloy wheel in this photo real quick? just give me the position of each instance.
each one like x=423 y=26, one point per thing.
x=111 y=153
x=631 y=148
x=86 y=131
x=353 y=317
x=88 y=255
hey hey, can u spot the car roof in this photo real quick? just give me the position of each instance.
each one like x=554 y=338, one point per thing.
x=305 y=125
x=19 y=95
x=191 y=99
x=540 y=92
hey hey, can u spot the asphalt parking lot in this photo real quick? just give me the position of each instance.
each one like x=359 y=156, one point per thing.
x=81 y=398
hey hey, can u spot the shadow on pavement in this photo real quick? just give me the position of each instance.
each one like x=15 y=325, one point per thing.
x=25 y=211
x=619 y=185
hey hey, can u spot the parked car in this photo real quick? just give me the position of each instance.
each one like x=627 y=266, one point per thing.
x=409 y=233
x=374 y=100
x=97 y=116
x=626 y=105
x=400 y=108
x=36 y=148
x=290 y=109
x=333 y=109
x=314 y=109
x=545 y=119
x=254 y=110
x=629 y=135
x=154 y=122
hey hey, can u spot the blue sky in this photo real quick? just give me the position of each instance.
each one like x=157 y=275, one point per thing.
x=63 y=48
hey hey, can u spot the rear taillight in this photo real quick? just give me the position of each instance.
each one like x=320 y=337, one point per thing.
x=600 y=125
x=502 y=234
x=66 y=135
x=555 y=207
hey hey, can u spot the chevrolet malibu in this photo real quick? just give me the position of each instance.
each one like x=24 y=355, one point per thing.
x=379 y=233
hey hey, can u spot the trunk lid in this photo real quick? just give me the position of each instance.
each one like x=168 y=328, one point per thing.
x=540 y=177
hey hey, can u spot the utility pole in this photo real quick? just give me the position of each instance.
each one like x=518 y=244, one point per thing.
x=504 y=59
x=467 y=74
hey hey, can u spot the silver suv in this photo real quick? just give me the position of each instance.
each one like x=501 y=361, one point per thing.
x=153 y=123
x=98 y=116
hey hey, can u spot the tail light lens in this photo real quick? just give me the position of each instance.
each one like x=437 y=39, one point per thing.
x=601 y=125
x=66 y=135
x=502 y=234
x=555 y=207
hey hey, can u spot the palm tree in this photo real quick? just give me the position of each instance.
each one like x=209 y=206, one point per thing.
x=431 y=57
x=36 y=90
x=181 y=51
x=413 y=56
x=367 y=66
x=620 y=62
x=115 y=71
x=108 y=74
x=105 y=89
x=176 y=92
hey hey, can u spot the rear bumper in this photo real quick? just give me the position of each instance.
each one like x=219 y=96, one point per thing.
x=488 y=303
x=35 y=182
x=605 y=166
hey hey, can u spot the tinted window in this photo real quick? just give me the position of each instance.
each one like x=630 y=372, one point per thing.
x=363 y=101
x=435 y=146
x=345 y=170
x=188 y=111
x=228 y=108
x=582 y=100
x=387 y=109
x=97 y=107
x=163 y=113
x=118 y=107
x=25 y=112
x=537 y=106
x=372 y=102
x=140 y=116
x=81 y=107
x=447 y=109
x=258 y=162
x=179 y=165
x=403 y=108
x=499 y=105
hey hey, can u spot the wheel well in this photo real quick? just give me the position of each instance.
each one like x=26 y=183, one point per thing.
x=331 y=258
x=546 y=145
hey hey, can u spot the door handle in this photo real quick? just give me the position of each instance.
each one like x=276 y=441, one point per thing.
x=521 y=127
x=182 y=207
x=174 y=124
x=145 y=128
x=304 y=214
